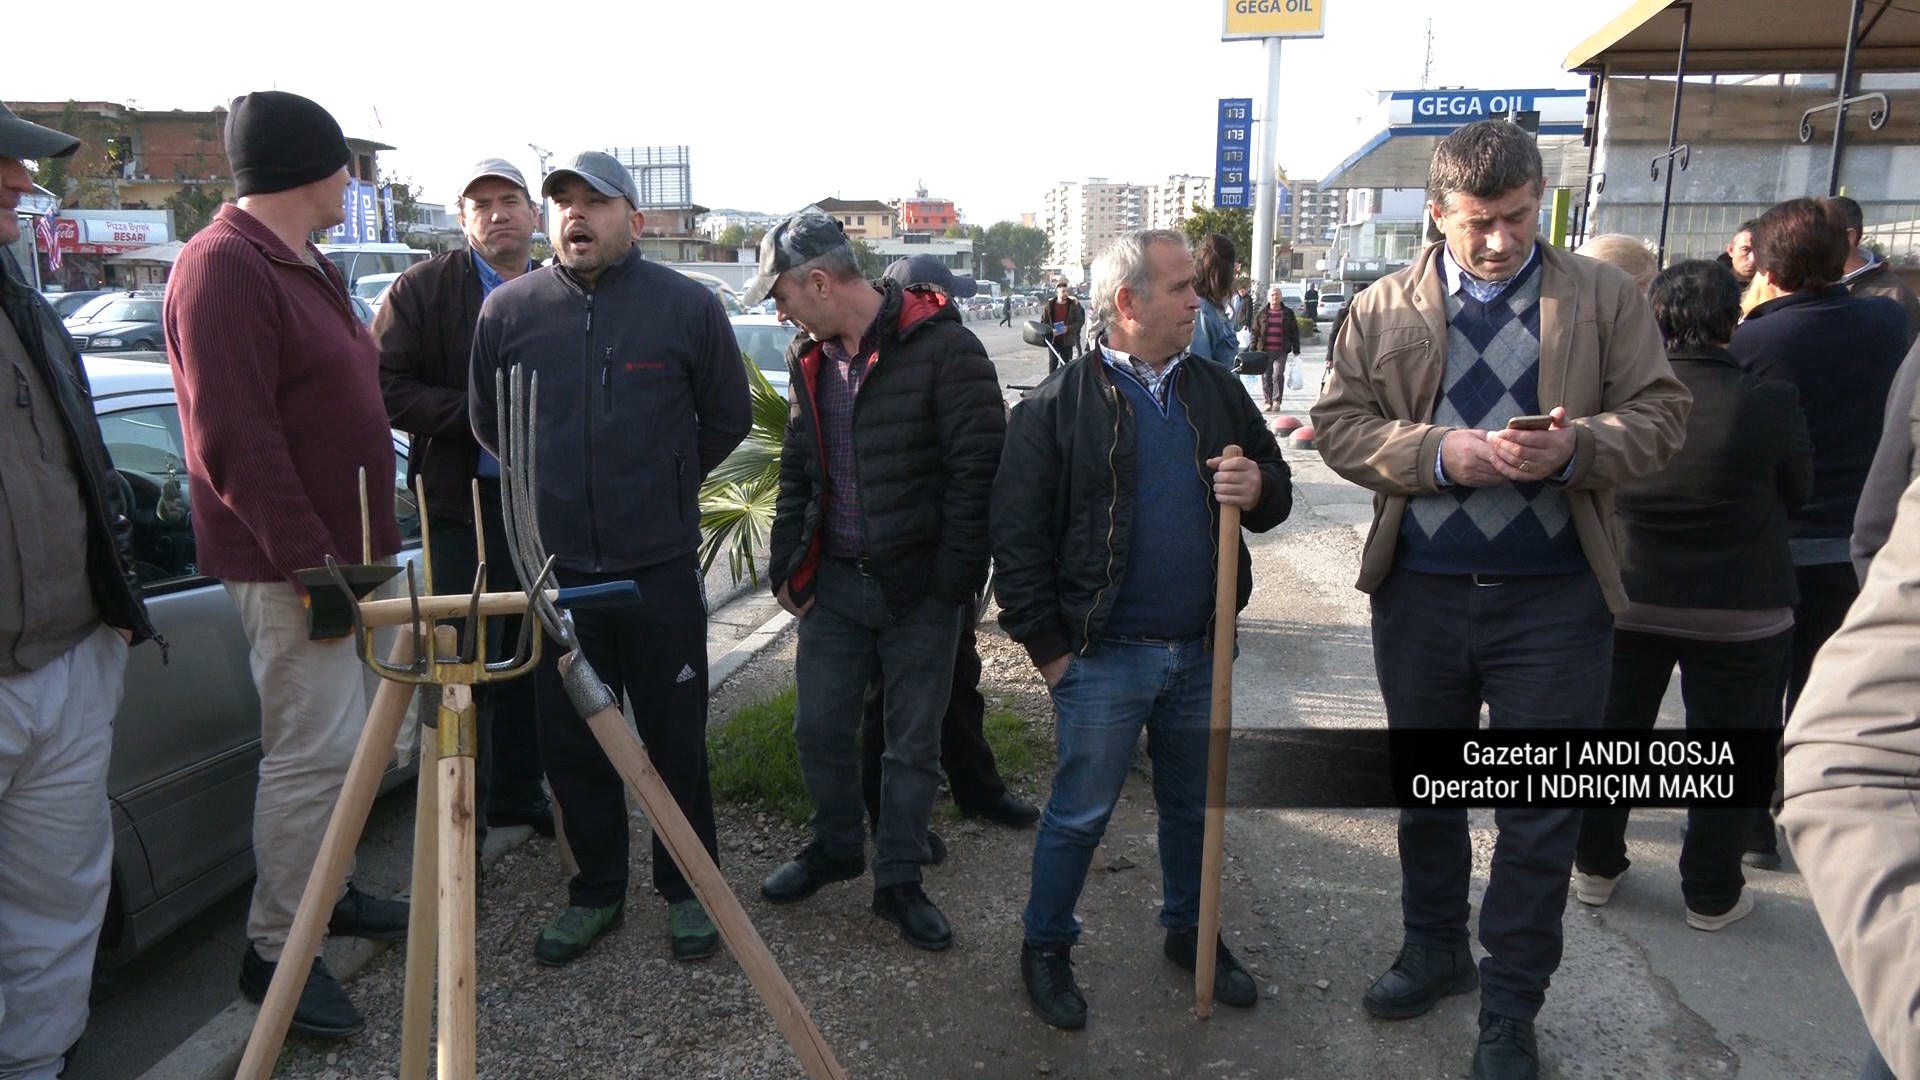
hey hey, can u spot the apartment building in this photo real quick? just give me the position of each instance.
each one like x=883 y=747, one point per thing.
x=1171 y=202
x=1081 y=218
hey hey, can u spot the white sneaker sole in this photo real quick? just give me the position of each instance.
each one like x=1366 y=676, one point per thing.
x=1594 y=890
x=1711 y=923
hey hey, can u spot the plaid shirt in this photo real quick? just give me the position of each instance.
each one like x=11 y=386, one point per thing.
x=1158 y=384
x=840 y=377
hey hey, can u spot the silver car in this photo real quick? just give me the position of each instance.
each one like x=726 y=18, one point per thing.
x=186 y=742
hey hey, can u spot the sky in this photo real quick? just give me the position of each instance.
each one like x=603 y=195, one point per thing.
x=986 y=103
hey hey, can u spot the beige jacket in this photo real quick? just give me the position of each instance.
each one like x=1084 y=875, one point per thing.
x=1852 y=809
x=1601 y=357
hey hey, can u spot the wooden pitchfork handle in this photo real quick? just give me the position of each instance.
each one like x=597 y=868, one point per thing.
x=1219 y=729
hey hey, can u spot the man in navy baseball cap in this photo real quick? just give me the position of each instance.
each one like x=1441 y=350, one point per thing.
x=928 y=270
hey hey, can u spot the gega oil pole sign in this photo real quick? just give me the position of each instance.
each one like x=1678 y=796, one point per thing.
x=1249 y=19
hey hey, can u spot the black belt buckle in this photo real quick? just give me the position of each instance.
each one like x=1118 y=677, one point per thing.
x=862 y=563
x=1487 y=581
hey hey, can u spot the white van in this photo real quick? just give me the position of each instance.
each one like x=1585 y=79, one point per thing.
x=359 y=260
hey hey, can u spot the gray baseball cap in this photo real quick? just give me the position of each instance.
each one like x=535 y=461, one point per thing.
x=801 y=238
x=601 y=172
x=495 y=167
x=928 y=270
x=26 y=139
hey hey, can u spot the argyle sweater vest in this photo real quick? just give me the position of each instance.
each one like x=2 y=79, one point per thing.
x=1493 y=373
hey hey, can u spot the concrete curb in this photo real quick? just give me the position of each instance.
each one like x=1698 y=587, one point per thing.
x=214 y=1051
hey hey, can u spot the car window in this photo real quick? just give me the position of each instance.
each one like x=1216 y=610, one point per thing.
x=148 y=455
x=129 y=311
x=86 y=311
x=766 y=346
x=371 y=290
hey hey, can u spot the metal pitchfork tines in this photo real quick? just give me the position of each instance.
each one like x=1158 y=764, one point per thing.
x=519 y=481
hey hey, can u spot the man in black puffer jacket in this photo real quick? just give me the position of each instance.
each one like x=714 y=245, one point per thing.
x=879 y=543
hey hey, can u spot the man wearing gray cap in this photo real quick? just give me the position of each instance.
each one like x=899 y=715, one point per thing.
x=67 y=614
x=425 y=334
x=642 y=393
x=879 y=543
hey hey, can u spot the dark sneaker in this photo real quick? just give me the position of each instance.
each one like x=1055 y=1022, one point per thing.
x=906 y=905
x=569 y=936
x=1506 y=1050
x=693 y=935
x=323 y=1012
x=1006 y=810
x=363 y=916
x=1419 y=978
x=807 y=872
x=1048 y=972
x=1232 y=983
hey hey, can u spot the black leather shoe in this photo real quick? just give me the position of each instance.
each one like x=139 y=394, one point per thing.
x=807 y=872
x=1506 y=1050
x=1005 y=810
x=324 y=1012
x=1232 y=983
x=363 y=916
x=906 y=906
x=1048 y=973
x=538 y=818
x=1419 y=978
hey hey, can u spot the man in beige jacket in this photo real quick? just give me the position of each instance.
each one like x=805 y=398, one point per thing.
x=1492 y=563
x=1853 y=749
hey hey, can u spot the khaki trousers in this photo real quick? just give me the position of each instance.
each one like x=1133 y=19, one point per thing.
x=313 y=704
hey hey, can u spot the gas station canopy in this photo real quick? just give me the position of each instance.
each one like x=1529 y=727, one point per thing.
x=1753 y=36
x=1416 y=121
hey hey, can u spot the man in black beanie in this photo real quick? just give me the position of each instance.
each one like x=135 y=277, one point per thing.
x=280 y=405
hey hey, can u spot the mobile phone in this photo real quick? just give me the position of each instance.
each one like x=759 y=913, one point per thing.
x=1530 y=423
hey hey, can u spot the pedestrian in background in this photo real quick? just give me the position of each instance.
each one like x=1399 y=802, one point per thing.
x=1213 y=336
x=1709 y=581
x=1840 y=351
x=1738 y=257
x=1276 y=332
x=1006 y=309
x=1491 y=561
x=1629 y=253
x=68 y=613
x=1310 y=302
x=1866 y=273
x=1064 y=319
x=280 y=411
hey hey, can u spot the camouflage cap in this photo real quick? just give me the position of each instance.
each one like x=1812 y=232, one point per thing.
x=799 y=239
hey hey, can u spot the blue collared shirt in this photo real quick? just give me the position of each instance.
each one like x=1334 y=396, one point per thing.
x=1157 y=383
x=490 y=280
x=1458 y=279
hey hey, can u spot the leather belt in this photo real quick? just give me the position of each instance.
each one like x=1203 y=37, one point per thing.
x=863 y=563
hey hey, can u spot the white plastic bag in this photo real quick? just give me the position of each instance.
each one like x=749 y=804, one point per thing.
x=1294 y=378
x=1245 y=337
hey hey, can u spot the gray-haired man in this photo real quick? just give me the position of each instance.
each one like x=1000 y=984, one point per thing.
x=879 y=544
x=1491 y=563
x=1104 y=525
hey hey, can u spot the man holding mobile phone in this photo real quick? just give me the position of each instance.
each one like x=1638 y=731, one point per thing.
x=1496 y=425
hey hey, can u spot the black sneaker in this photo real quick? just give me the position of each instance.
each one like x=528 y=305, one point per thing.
x=363 y=916
x=906 y=906
x=1232 y=983
x=324 y=1011
x=1506 y=1050
x=807 y=872
x=1419 y=978
x=1048 y=972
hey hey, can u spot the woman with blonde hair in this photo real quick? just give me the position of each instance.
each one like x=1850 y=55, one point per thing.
x=1629 y=253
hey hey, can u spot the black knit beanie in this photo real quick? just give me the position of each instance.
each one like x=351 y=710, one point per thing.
x=279 y=141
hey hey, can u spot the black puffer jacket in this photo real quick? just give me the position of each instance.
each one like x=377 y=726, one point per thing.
x=927 y=430
x=1063 y=504
x=109 y=530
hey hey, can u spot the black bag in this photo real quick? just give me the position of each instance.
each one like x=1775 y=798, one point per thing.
x=1252 y=363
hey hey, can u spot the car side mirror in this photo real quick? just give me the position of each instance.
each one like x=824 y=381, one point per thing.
x=1035 y=333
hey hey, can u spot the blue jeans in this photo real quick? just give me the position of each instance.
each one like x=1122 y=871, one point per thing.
x=844 y=641
x=1103 y=699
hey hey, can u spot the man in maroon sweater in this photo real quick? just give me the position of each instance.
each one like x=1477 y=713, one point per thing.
x=279 y=389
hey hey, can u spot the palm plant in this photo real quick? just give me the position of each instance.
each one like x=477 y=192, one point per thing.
x=736 y=502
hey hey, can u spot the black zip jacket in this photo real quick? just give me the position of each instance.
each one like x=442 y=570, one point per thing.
x=109 y=529
x=1063 y=502
x=927 y=429
x=641 y=393
x=425 y=334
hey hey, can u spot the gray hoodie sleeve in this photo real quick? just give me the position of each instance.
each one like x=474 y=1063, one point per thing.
x=1893 y=465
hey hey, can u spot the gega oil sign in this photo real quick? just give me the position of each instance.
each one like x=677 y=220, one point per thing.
x=1273 y=18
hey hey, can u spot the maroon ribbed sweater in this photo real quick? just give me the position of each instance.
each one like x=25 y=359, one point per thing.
x=279 y=389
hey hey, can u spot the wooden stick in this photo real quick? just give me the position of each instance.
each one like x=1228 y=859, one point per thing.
x=329 y=869
x=447 y=606
x=1220 y=726
x=458 y=1020
x=416 y=1024
x=629 y=758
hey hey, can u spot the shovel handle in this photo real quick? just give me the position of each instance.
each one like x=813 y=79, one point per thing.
x=611 y=594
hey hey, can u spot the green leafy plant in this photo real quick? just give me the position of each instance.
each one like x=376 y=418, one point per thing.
x=736 y=502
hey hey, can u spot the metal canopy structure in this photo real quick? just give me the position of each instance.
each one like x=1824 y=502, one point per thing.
x=1416 y=120
x=1399 y=159
x=1753 y=36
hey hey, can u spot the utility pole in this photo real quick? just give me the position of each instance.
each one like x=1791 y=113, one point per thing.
x=1265 y=195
